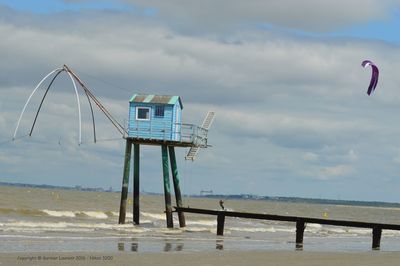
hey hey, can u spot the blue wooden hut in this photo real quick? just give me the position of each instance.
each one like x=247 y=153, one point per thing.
x=157 y=117
x=157 y=120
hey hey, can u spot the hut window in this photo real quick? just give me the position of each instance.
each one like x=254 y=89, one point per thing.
x=159 y=111
x=142 y=113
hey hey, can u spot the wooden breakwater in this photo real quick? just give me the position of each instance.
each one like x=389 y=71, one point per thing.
x=300 y=223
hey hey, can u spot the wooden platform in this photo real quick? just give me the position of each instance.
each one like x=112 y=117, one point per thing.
x=300 y=223
x=160 y=142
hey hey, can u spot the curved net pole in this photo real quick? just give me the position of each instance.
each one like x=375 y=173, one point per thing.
x=44 y=96
x=79 y=107
x=116 y=124
x=30 y=96
x=91 y=110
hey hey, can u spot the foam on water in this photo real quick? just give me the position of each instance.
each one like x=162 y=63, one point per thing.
x=25 y=226
x=96 y=214
x=202 y=222
x=154 y=223
x=253 y=230
x=64 y=213
x=198 y=229
x=59 y=213
x=156 y=216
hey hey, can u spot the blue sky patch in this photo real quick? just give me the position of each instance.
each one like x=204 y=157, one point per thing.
x=54 y=6
x=387 y=30
x=381 y=30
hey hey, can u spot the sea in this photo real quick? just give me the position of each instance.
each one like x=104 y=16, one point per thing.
x=47 y=220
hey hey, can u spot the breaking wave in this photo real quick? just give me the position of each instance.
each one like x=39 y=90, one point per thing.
x=33 y=220
x=62 y=213
x=70 y=227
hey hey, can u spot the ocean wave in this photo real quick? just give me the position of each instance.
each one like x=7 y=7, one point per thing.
x=95 y=214
x=253 y=229
x=156 y=216
x=63 y=213
x=60 y=213
x=202 y=222
x=196 y=229
x=20 y=220
x=25 y=212
x=35 y=227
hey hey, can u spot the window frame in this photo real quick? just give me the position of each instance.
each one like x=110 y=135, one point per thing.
x=137 y=113
x=157 y=108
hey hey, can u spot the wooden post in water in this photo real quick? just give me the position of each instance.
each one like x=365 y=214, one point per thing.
x=136 y=174
x=376 y=238
x=175 y=179
x=220 y=223
x=125 y=182
x=167 y=188
x=300 y=226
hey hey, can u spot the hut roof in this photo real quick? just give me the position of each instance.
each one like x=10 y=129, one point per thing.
x=157 y=99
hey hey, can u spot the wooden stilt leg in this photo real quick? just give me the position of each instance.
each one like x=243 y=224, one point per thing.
x=136 y=174
x=376 y=238
x=220 y=224
x=167 y=189
x=175 y=179
x=300 y=226
x=125 y=182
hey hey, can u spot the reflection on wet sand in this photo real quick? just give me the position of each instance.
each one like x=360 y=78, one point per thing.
x=169 y=246
x=299 y=246
x=134 y=246
x=220 y=244
x=121 y=246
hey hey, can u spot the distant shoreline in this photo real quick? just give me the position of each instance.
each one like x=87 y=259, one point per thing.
x=232 y=197
x=79 y=188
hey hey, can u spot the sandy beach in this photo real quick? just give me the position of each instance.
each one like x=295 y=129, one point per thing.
x=267 y=258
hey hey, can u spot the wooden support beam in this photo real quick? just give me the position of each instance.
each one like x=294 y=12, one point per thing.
x=167 y=189
x=125 y=182
x=273 y=217
x=136 y=174
x=300 y=223
x=376 y=238
x=300 y=226
x=175 y=179
x=220 y=223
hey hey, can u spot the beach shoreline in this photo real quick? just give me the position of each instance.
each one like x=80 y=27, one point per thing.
x=235 y=258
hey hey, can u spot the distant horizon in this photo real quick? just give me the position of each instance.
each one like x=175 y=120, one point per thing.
x=243 y=196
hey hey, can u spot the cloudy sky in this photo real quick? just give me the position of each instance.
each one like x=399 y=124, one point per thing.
x=284 y=77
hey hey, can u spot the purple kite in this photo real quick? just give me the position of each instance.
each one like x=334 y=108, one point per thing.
x=374 y=77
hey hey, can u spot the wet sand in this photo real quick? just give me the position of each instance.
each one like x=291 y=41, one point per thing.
x=267 y=258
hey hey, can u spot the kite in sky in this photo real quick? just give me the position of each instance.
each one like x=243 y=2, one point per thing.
x=374 y=77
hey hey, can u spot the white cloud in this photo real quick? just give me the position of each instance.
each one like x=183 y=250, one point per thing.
x=308 y=15
x=289 y=110
x=310 y=156
x=2 y=123
x=352 y=155
x=332 y=172
x=9 y=159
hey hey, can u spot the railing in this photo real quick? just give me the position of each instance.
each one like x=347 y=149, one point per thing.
x=300 y=223
x=186 y=133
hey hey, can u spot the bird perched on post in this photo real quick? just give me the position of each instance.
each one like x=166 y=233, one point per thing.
x=221 y=203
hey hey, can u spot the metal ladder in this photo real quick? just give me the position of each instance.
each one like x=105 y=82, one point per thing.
x=194 y=150
x=208 y=120
x=192 y=153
